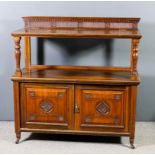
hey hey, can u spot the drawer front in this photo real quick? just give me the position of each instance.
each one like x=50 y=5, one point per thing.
x=101 y=108
x=47 y=105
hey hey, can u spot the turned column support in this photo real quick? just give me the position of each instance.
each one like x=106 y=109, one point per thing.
x=134 y=55
x=17 y=56
x=27 y=52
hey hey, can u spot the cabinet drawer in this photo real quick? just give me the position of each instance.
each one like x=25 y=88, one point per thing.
x=47 y=105
x=101 y=107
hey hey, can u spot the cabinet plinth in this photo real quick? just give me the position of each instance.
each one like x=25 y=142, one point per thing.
x=84 y=100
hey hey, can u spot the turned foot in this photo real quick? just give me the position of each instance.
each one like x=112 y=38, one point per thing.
x=132 y=143
x=18 y=135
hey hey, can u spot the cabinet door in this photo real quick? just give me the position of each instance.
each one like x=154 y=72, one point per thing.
x=101 y=108
x=47 y=106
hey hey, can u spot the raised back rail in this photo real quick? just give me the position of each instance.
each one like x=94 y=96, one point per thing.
x=81 y=23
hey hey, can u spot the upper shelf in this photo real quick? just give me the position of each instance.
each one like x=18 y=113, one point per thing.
x=81 y=27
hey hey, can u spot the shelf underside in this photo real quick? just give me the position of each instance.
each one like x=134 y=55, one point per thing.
x=78 y=76
x=82 y=33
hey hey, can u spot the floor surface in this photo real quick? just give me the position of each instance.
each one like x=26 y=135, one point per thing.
x=48 y=143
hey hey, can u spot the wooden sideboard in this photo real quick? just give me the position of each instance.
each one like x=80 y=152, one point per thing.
x=86 y=100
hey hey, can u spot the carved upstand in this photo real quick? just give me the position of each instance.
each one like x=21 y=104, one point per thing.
x=76 y=99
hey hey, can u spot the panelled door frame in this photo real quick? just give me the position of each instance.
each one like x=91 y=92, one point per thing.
x=104 y=127
x=70 y=104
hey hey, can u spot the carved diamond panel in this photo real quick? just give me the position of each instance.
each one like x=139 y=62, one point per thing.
x=46 y=106
x=102 y=108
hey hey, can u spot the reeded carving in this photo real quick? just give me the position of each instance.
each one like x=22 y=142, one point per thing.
x=46 y=106
x=17 y=55
x=80 y=22
x=102 y=108
x=134 y=55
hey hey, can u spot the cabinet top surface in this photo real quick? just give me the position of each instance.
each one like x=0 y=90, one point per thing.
x=79 y=76
x=79 y=27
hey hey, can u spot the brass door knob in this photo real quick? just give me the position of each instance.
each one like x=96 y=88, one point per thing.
x=76 y=109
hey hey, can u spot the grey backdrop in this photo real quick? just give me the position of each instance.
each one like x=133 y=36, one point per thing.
x=10 y=19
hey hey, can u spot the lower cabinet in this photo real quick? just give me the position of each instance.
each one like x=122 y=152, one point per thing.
x=74 y=107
